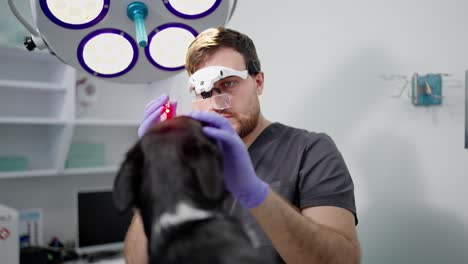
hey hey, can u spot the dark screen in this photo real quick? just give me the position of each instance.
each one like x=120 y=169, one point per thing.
x=99 y=222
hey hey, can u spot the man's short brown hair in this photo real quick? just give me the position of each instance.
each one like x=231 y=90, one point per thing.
x=211 y=40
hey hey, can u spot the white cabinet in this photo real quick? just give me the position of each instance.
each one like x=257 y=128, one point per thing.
x=35 y=100
x=30 y=149
x=45 y=131
x=104 y=145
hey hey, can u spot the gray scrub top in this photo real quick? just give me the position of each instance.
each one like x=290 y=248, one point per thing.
x=303 y=167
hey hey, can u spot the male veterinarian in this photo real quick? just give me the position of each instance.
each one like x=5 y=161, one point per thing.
x=290 y=186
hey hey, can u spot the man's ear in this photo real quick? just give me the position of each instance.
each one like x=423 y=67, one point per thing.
x=259 y=81
x=128 y=176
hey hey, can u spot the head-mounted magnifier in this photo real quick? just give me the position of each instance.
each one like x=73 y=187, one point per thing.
x=202 y=82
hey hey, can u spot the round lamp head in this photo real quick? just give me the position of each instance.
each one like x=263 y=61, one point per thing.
x=98 y=37
x=107 y=53
x=76 y=14
x=190 y=9
x=168 y=46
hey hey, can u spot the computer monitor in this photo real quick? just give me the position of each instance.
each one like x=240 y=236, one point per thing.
x=100 y=226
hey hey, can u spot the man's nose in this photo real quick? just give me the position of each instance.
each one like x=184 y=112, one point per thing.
x=212 y=105
x=215 y=91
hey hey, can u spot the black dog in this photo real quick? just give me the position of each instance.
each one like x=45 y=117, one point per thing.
x=173 y=175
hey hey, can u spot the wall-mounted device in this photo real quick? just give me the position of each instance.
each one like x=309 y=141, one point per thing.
x=9 y=238
x=426 y=89
x=466 y=109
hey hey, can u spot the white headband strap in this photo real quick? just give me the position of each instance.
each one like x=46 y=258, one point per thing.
x=204 y=79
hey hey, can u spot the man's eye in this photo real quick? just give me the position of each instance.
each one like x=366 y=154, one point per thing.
x=228 y=84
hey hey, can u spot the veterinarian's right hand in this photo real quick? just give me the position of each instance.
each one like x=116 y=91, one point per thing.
x=239 y=174
x=153 y=112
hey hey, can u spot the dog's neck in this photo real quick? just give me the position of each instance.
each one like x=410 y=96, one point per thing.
x=183 y=213
x=162 y=228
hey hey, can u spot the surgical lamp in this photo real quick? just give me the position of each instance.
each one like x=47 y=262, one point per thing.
x=124 y=41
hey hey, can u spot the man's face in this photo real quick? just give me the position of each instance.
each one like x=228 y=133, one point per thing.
x=244 y=111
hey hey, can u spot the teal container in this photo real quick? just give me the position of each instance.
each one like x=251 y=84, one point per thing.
x=84 y=155
x=13 y=163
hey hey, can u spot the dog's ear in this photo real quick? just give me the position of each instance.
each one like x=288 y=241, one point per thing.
x=209 y=171
x=127 y=178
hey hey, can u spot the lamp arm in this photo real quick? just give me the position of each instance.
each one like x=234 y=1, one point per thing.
x=22 y=20
x=233 y=8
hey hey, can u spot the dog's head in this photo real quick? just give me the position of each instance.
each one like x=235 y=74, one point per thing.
x=173 y=162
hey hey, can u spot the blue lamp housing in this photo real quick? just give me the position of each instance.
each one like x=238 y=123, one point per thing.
x=137 y=11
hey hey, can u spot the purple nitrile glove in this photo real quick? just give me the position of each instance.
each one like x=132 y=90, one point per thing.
x=239 y=175
x=153 y=112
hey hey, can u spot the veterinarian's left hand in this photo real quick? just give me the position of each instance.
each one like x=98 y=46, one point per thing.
x=240 y=177
x=153 y=112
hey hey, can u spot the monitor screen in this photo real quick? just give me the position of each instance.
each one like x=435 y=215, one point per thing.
x=100 y=226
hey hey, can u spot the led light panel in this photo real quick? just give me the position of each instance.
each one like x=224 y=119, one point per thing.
x=76 y=14
x=107 y=53
x=191 y=9
x=168 y=45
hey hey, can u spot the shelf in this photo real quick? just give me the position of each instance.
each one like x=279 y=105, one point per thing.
x=102 y=148
x=96 y=170
x=46 y=129
x=38 y=145
x=33 y=86
x=106 y=122
x=27 y=174
x=25 y=66
x=31 y=121
x=31 y=103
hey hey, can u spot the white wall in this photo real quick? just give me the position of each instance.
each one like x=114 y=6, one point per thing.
x=11 y=31
x=325 y=57
x=322 y=62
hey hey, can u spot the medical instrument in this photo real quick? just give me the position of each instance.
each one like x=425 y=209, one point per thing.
x=157 y=110
x=124 y=41
x=202 y=82
x=217 y=102
x=168 y=111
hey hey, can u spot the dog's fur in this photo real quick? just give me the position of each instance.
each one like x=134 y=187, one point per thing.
x=173 y=176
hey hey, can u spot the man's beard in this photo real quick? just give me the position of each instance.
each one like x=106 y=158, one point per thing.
x=244 y=126
x=248 y=125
